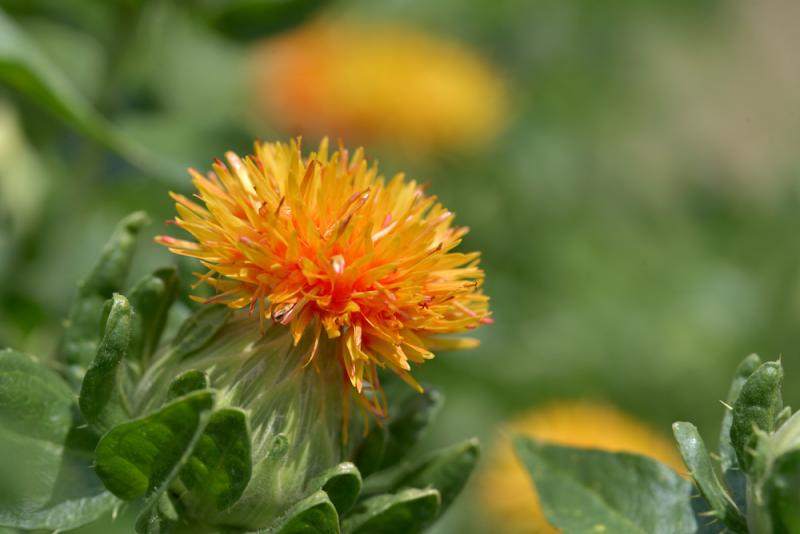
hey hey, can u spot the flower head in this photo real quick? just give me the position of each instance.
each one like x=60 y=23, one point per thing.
x=506 y=490
x=326 y=246
x=379 y=83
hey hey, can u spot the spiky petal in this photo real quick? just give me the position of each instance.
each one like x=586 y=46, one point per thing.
x=325 y=245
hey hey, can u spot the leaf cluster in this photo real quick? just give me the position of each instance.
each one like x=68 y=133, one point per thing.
x=83 y=443
x=751 y=487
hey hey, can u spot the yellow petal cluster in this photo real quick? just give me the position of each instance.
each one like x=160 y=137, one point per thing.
x=326 y=246
x=379 y=84
x=510 y=501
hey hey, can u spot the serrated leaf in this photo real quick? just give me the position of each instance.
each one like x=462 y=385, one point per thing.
x=313 y=515
x=447 y=469
x=406 y=512
x=101 y=399
x=584 y=490
x=411 y=416
x=26 y=69
x=695 y=456
x=185 y=383
x=757 y=407
x=342 y=483
x=220 y=466
x=199 y=329
x=734 y=477
x=726 y=451
x=83 y=328
x=151 y=298
x=138 y=458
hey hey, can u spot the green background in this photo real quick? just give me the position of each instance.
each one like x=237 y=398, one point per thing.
x=637 y=216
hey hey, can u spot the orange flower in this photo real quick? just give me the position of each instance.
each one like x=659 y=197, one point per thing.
x=381 y=84
x=326 y=246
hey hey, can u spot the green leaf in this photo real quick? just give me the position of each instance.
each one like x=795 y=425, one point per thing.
x=20 y=456
x=447 y=470
x=187 y=382
x=101 y=399
x=140 y=457
x=221 y=464
x=695 y=456
x=44 y=485
x=783 y=417
x=83 y=328
x=406 y=512
x=159 y=518
x=35 y=419
x=247 y=20
x=34 y=401
x=734 y=477
x=65 y=515
x=369 y=455
x=757 y=407
x=313 y=515
x=151 y=298
x=787 y=437
x=726 y=451
x=27 y=70
x=782 y=493
x=199 y=329
x=584 y=490
x=412 y=416
x=342 y=483
x=111 y=270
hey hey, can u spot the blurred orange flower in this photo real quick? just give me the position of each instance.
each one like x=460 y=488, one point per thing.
x=380 y=84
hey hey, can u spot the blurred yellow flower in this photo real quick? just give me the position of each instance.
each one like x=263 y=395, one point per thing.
x=505 y=489
x=374 y=83
x=326 y=246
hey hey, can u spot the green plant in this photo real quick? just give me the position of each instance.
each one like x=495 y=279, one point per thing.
x=752 y=486
x=139 y=410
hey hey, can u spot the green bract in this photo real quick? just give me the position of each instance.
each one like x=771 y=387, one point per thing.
x=752 y=487
x=220 y=427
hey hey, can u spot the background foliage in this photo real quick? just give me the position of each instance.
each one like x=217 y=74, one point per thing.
x=638 y=215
